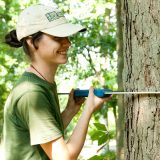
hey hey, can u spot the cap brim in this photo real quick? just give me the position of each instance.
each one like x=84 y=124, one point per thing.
x=64 y=30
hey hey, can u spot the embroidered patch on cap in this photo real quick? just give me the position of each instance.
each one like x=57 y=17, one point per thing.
x=51 y=16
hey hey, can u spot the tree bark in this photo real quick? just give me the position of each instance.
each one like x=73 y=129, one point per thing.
x=121 y=108
x=142 y=73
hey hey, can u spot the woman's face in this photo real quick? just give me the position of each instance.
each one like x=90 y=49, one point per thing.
x=52 y=50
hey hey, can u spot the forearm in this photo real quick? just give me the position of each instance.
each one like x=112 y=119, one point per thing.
x=78 y=136
x=67 y=116
x=73 y=106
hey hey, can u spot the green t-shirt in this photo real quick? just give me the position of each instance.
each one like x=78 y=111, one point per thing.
x=31 y=117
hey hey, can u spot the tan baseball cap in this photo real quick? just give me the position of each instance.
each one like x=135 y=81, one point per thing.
x=46 y=19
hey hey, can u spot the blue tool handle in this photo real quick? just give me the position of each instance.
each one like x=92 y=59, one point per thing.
x=97 y=92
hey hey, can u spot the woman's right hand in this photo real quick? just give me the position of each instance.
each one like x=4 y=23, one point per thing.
x=93 y=102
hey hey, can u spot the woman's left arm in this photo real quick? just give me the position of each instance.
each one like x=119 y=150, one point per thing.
x=72 y=108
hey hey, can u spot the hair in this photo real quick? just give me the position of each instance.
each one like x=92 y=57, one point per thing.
x=12 y=40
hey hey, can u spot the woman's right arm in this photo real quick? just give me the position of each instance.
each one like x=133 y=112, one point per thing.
x=58 y=149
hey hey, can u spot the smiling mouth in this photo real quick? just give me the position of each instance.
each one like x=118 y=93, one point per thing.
x=62 y=52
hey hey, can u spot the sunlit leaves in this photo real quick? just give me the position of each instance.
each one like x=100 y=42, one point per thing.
x=93 y=56
x=101 y=134
x=100 y=127
x=12 y=62
x=95 y=41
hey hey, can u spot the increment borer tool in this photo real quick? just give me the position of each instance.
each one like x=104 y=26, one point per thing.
x=106 y=93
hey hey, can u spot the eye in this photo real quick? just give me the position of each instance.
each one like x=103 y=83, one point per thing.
x=57 y=38
x=61 y=39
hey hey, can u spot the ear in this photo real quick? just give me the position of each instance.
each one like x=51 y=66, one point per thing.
x=30 y=43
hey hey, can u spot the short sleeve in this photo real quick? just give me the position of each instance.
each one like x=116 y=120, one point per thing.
x=35 y=109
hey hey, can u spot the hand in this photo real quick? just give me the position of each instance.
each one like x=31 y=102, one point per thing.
x=74 y=103
x=93 y=102
x=73 y=106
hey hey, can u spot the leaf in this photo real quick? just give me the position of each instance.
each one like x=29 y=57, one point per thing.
x=96 y=158
x=100 y=126
x=95 y=135
x=103 y=139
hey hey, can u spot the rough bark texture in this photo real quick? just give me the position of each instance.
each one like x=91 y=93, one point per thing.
x=121 y=108
x=142 y=73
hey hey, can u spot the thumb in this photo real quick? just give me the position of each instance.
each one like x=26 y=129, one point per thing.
x=91 y=91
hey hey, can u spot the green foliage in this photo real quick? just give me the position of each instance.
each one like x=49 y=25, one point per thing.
x=100 y=127
x=92 y=56
x=101 y=134
x=96 y=158
x=12 y=60
x=110 y=155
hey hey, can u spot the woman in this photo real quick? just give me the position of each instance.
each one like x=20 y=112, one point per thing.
x=33 y=124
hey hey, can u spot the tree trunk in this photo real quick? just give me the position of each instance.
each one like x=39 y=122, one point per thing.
x=142 y=73
x=121 y=108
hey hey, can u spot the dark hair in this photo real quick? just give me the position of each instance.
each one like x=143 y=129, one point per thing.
x=12 y=40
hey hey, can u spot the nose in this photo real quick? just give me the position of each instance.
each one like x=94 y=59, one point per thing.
x=66 y=42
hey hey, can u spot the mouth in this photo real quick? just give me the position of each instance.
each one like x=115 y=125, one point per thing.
x=62 y=52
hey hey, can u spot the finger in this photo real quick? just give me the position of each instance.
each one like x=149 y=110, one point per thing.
x=107 y=98
x=82 y=100
x=71 y=92
x=79 y=99
x=91 y=91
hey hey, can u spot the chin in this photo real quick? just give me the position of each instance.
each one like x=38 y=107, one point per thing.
x=63 y=62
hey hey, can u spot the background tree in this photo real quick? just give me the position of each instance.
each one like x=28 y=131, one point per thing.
x=142 y=73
